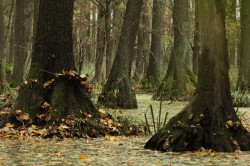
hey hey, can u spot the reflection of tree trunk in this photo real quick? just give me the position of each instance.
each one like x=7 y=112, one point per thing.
x=209 y=121
x=143 y=42
x=157 y=43
x=53 y=53
x=174 y=83
x=117 y=91
x=244 y=70
x=100 y=47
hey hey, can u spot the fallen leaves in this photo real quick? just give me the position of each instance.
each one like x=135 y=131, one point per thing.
x=83 y=157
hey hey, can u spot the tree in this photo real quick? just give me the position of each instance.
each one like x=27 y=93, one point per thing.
x=231 y=29
x=118 y=92
x=2 y=56
x=19 y=42
x=174 y=83
x=157 y=43
x=209 y=120
x=196 y=47
x=53 y=54
x=143 y=43
x=244 y=70
x=100 y=47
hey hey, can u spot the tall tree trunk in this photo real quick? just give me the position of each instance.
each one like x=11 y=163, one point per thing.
x=117 y=21
x=143 y=43
x=157 y=44
x=2 y=47
x=196 y=48
x=117 y=91
x=209 y=121
x=93 y=57
x=53 y=54
x=174 y=83
x=109 y=38
x=244 y=70
x=19 y=44
x=231 y=31
x=100 y=47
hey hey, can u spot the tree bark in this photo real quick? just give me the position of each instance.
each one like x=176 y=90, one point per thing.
x=231 y=31
x=209 y=120
x=100 y=47
x=143 y=43
x=53 y=54
x=196 y=48
x=157 y=44
x=174 y=83
x=2 y=47
x=19 y=44
x=244 y=70
x=117 y=91
x=109 y=37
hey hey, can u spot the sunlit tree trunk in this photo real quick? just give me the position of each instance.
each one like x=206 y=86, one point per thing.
x=118 y=91
x=209 y=121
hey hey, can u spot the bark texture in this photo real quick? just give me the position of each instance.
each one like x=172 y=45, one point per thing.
x=143 y=43
x=174 y=83
x=118 y=90
x=53 y=53
x=100 y=47
x=2 y=56
x=209 y=120
x=157 y=44
x=19 y=42
x=244 y=70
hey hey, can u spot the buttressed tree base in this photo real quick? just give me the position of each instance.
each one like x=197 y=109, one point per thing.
x=209 y=120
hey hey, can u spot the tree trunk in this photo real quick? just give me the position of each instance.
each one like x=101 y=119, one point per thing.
x=117 y=21
x=100 y=48
x=143 y=43
x=174 y=83
x=157 y=44
x=2 y=47
x=109 y=38
x=53 y=54
x=209 y=121
x=244 y=70
x=231 y=31
x=19 y=44
x=196 y=48
x=117 y=91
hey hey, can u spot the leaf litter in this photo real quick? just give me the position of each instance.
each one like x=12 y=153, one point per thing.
x=109 y=150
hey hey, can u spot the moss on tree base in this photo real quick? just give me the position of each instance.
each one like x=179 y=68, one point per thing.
x=118 y=94
x=196 y=127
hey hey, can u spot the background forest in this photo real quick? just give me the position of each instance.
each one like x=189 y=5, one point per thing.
x=68 y=68
x=97 y=29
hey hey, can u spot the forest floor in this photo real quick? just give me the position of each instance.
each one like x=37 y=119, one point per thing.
x=115 y=150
